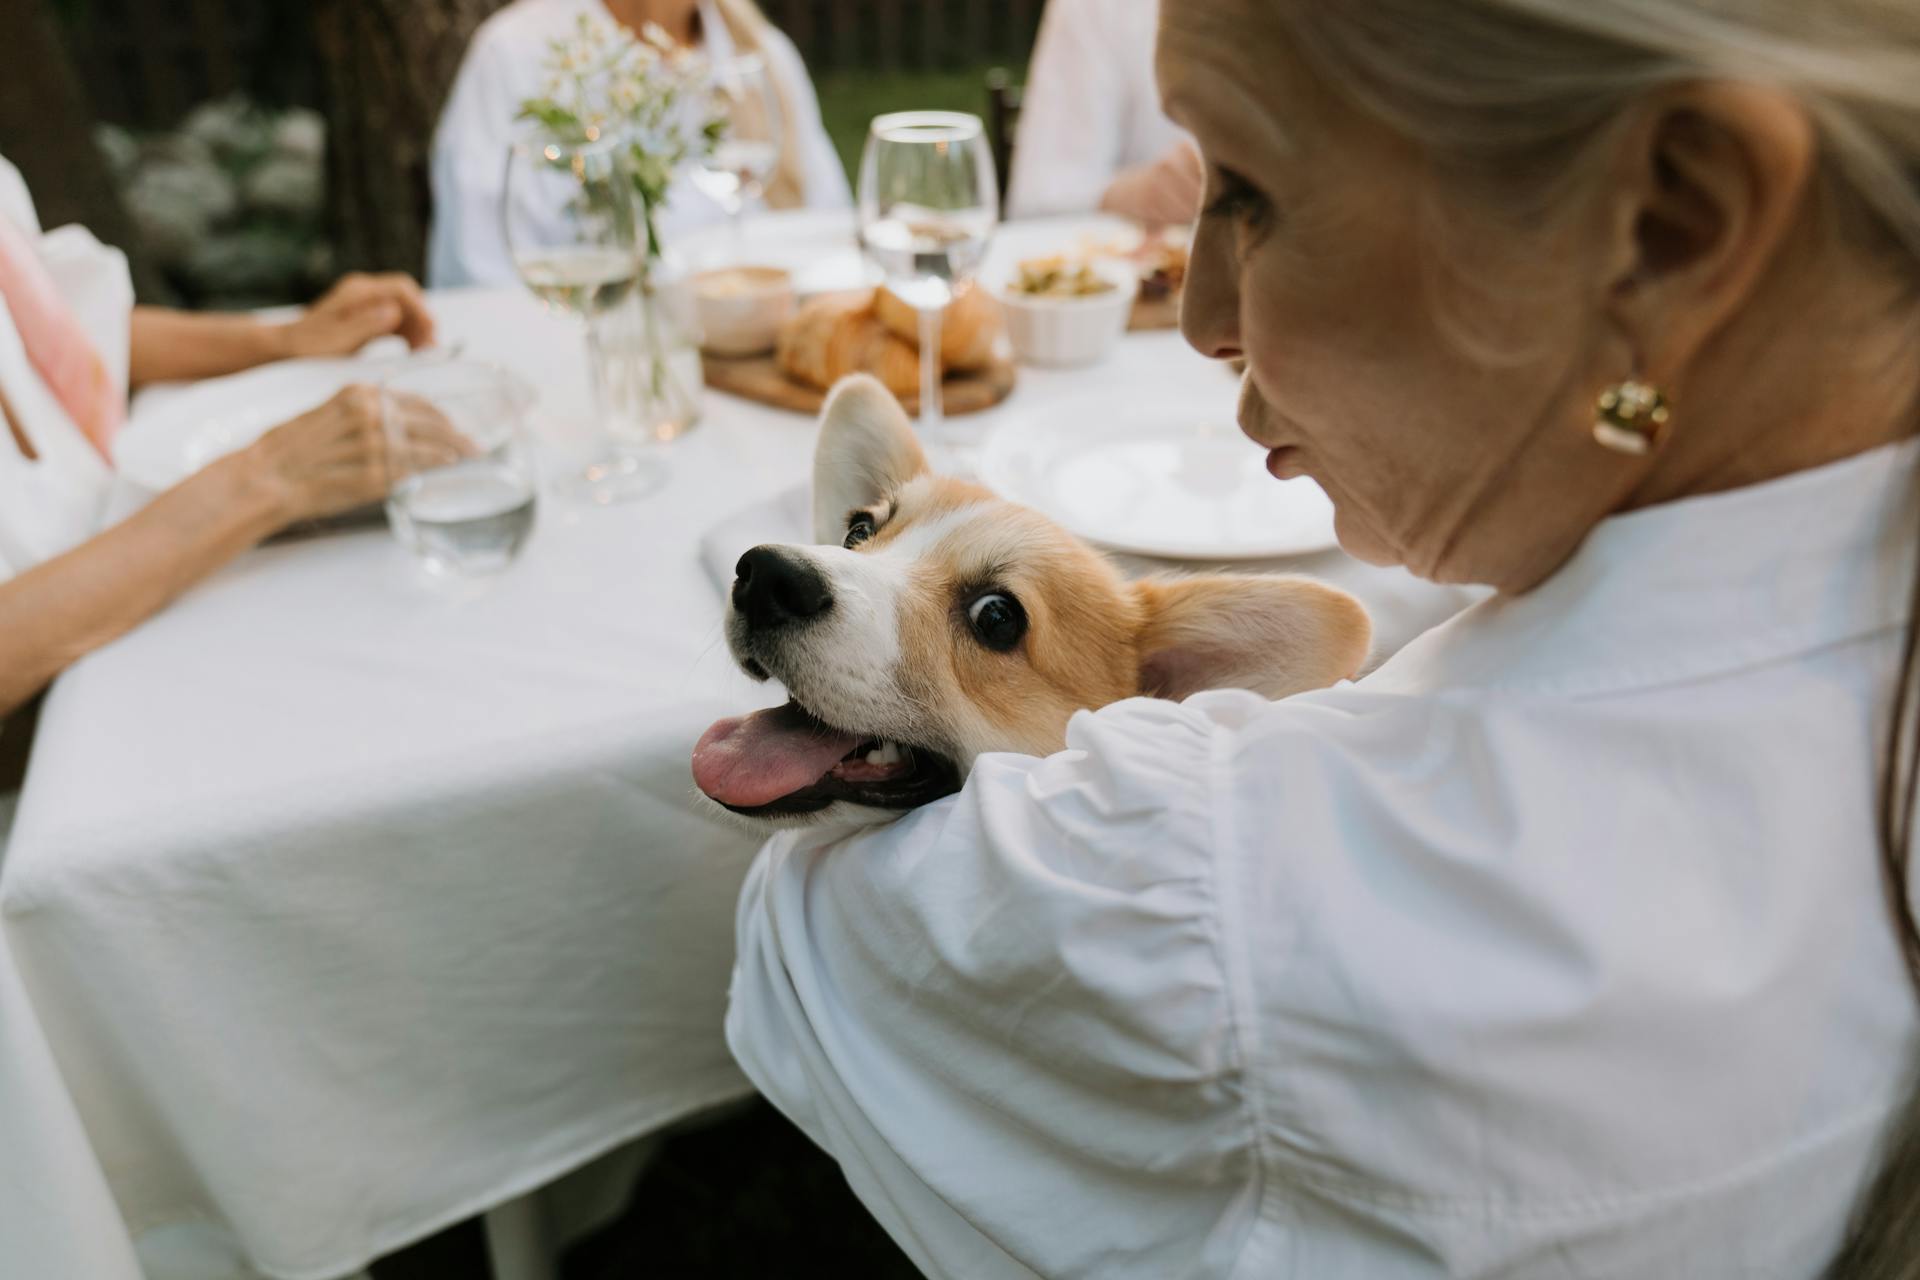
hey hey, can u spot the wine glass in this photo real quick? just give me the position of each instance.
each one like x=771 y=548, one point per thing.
x=574 y=227
x=928 y=205
x=744 y=158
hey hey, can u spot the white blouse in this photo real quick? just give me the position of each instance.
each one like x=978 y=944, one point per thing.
x=55 y=501
x=1090 y=109
x=1554 y=948
x=502 y=68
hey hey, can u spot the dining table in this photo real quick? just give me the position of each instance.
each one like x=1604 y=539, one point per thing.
x=344 y=903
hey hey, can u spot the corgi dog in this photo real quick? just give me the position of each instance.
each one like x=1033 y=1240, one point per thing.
x=936 y=622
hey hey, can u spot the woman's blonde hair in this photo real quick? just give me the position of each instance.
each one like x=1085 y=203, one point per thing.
x=1512 y=96
x=787 y=188
x=1515 y=90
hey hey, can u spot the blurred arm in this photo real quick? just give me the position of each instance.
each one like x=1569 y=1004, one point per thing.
x=1069 y=142
x=65 y=608
x=178 y=346
x=168 y=346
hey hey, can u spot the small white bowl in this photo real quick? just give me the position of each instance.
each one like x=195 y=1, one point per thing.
x=1064 y=333
x=740 y=309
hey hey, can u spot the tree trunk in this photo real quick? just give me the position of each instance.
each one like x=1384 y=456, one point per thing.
x=46 y=130
x=385 y=69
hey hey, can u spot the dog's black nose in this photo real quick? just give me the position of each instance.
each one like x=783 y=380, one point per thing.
x=772 y=586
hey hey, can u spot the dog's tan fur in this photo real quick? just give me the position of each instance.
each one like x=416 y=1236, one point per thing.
x=1092 y=637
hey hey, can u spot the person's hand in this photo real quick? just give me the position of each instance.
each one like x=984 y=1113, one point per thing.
x=339 y=456
x=358 y=309
x=1164 y=192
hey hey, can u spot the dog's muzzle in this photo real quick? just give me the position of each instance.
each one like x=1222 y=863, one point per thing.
x=774 y=587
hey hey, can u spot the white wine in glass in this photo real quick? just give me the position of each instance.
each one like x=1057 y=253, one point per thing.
x=929 y=201
x=583 y=282
x=573 y=225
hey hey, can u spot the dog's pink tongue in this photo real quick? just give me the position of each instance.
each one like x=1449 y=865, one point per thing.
x=756 y=759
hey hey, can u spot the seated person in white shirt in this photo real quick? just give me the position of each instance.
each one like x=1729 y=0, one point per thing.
x=503 y=68
x=65 y=364
x=1091 y=133
x=1575 y=940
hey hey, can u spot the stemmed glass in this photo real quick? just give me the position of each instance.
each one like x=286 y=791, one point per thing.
x=573 y=225
x=743 y=160
x=929 y=200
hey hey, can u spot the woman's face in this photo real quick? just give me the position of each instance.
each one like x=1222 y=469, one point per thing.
x=1318 y=260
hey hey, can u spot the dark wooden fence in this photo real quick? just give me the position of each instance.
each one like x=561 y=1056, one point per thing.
x=147 y=62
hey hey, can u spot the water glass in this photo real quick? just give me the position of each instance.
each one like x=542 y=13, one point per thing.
x=464 y=485
x=929 y=199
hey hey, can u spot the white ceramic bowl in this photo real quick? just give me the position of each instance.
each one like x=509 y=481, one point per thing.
x=1068 y=332
x=740 y=309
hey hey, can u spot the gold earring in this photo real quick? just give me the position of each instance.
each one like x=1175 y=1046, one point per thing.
x=1631 y=417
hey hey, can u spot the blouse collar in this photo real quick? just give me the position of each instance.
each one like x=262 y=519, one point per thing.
x=1696 y=587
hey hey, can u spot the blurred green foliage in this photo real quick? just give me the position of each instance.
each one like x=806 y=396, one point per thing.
x=849 y=100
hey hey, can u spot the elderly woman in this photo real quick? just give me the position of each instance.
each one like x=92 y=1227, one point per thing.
x=1575 y=941
x=70 y=343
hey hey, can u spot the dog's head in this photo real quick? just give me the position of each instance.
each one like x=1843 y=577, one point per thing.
x=937 y=622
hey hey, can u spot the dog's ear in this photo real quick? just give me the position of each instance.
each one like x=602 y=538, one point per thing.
x=1275 y=636
x=867 y=450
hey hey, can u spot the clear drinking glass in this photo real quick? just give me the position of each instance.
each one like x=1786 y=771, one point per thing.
x=463 y=511
x=929 y=201
x=574 y=226
x=742 y=161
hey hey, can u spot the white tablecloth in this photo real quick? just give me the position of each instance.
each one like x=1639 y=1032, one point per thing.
x=351 y=906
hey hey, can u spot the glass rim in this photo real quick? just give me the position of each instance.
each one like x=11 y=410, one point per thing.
x=740 y=58
x=930 y=126
x=416 y=370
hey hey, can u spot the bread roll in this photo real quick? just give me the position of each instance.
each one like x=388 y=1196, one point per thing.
x=968 y=330
x=838 y=334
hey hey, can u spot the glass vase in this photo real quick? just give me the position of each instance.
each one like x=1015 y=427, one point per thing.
x=646 y=363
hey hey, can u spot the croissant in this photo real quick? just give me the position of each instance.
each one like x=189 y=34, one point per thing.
x=968 y=330
x=838 y=334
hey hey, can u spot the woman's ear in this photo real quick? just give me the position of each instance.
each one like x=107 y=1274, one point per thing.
x=1706 y=189
x=1275 y=636
x=866 y=451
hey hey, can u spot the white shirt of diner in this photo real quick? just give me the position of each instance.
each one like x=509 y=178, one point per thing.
x=1090 y=109
x=1554 y=948
x=53 y=501
x=502 y=68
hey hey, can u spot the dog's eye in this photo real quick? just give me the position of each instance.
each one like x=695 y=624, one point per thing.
x=998 y=620
x=859 y=529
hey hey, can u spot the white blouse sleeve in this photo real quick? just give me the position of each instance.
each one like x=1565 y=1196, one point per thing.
x=1070 y=141
x=1016 y=995
x=820 y=167
x=466 y=245
x=16 y=202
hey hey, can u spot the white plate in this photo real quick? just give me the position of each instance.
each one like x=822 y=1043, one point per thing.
x=176 y=433
x=1157 y=479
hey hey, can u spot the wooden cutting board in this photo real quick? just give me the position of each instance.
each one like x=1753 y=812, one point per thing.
x=759 y=378
x=1156 y=313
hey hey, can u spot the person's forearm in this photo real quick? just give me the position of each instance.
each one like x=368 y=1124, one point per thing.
x=176 y=346
x=54 y=614
x=1138 y=193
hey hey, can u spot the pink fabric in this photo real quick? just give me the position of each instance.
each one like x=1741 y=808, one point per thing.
x=58 y=347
